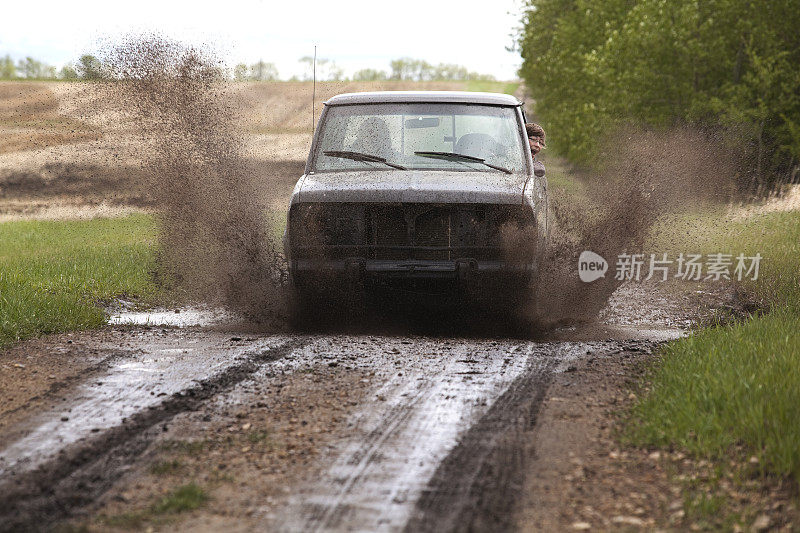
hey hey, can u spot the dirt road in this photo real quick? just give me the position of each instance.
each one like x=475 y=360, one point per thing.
x=380 y=433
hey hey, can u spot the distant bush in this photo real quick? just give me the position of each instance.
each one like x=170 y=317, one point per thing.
x=89 y=68
x=409 y=69
x=370 y=74
x=262 y=71
x=28 y=68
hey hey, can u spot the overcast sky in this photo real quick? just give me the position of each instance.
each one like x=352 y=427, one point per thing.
x=355 y=34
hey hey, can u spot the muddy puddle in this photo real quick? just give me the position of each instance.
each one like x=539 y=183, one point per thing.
x=150 y=369
x=180 y=317
x=435 y=413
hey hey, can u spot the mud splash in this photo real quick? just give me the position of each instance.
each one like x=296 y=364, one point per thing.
x=643 y=175
x=214 y=241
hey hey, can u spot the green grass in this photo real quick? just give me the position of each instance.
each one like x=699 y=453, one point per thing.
x=54 y=274
x=184 y=498
x=492 y=86
x=726 y=386
x=736 y=385
x=776 y=236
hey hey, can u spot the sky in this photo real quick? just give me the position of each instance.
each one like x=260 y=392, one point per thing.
x=354 y=34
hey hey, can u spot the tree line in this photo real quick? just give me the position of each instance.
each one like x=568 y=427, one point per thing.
x=89 y=67
x=725 y=66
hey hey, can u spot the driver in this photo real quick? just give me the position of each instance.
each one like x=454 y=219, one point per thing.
x=373 y=138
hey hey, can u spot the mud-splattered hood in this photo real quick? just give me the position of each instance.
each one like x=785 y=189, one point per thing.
x=405 y=186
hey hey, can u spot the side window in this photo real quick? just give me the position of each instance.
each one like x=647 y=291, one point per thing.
x=335 y=133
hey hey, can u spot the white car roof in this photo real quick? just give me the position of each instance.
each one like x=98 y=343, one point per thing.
x=450 y=97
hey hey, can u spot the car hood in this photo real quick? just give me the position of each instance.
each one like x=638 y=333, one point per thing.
x=407 y=186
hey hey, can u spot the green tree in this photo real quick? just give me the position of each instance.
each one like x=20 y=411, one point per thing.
x=8 y=71
x=68 y=72
x=89 y=68
x=720 y=64
x=33 y=69
x=240 y=72
x=444 y=71
x=370 y=74
x=325 y=69
x=262 y=71
x=410 y=69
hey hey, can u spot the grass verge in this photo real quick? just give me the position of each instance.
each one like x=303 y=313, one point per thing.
x=729 y=386
x=53 y=274
x=731 y=391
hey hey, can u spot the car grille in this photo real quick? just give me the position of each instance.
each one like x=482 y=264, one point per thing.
x=404 y=231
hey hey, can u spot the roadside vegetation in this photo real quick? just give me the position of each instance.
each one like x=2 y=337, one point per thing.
x=736 y=383
x=730 y=392
x=91 y=67
x=727 y=67
x=55 y=276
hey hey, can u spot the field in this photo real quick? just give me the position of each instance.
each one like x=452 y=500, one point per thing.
x=67 y=151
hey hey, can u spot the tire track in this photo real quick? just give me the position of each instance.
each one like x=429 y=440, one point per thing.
x=476 y=487
x=439 y=418
x=57 y=489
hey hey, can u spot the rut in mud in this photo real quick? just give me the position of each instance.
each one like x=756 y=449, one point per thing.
x=79 y=474
x=436 y=442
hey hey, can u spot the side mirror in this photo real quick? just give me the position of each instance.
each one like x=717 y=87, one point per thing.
x=538 y=169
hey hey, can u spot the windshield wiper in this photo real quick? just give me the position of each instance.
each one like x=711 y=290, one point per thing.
x=451 y=156
x=358 y=156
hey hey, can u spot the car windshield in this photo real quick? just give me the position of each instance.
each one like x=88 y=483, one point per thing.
x=405 y=135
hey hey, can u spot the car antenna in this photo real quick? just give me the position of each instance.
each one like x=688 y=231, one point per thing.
x=314 y=91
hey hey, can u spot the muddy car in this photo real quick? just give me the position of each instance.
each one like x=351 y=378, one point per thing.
x=427 y=192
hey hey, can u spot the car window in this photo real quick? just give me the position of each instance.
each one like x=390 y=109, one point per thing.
x=396 y=131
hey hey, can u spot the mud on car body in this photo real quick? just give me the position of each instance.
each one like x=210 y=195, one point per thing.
x=427 y=191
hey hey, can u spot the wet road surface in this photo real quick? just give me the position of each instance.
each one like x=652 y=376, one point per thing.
x=421 y=414
x=440 y=410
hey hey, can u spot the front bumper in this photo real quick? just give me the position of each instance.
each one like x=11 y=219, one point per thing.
x=359 y=269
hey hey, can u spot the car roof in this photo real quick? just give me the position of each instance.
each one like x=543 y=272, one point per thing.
x=450 y=97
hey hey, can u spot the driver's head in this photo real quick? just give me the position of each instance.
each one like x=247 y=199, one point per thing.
x=373 y=136
x=536 y=137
